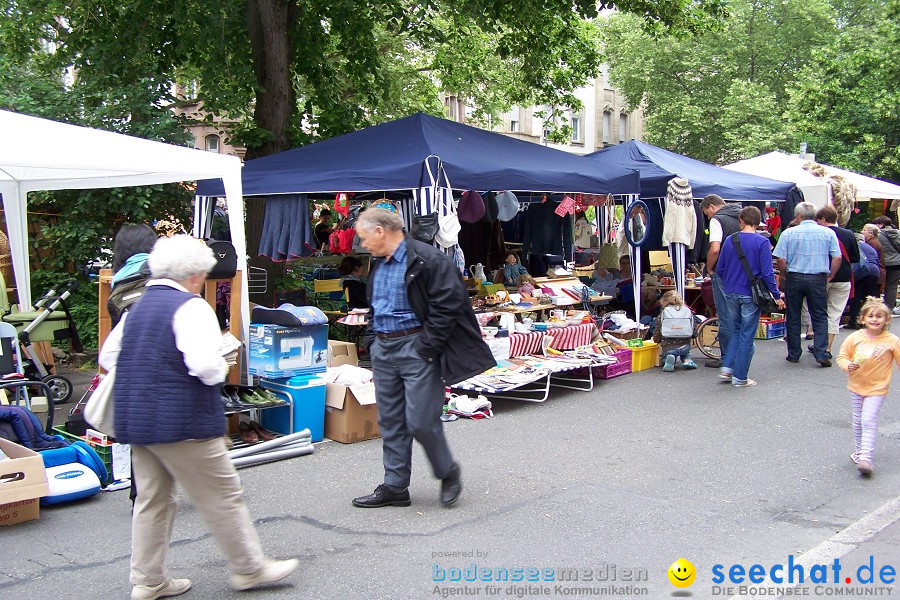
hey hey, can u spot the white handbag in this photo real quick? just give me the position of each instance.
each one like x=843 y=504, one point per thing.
x=98 y=412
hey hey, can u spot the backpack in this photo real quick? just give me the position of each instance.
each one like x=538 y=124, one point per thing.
x=125 y=293
x=677 y=323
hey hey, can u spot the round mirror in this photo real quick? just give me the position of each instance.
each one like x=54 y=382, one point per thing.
x=637 y=223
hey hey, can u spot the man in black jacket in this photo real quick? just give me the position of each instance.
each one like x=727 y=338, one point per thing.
x=422 y=336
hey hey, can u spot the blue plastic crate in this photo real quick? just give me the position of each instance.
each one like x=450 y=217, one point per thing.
x=770 y=329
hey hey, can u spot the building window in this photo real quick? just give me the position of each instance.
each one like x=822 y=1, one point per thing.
x=514 y=126
x=212 y=143
x=576 y=128
x=607 y=124
x=623 y=127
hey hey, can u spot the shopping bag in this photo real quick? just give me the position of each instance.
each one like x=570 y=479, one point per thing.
x=98 y=412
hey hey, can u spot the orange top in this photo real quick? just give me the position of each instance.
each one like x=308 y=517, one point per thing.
x=875 y=357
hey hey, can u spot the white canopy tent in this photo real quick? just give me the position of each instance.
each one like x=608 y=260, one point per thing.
x=38 y=154
x=785 y=167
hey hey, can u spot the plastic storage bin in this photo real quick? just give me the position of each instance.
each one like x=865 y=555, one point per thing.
x=770 y=329
x=644 y=358
x=104 y=451
x=307 y=402
x=622 y=366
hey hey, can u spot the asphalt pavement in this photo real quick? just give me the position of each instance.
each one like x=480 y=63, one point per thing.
x=589 y=494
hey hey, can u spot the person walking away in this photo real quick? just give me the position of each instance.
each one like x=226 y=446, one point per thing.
x=890 y=248
x=869 y=356
x=168 y=407
x=865 y=280
x=739 y=298
x=422 y=336
x=723 y=222
x=840 y=287
x=809 y=256
x=870 y=233
x=674 y=331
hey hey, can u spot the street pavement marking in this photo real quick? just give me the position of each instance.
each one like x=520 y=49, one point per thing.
x=843 y=542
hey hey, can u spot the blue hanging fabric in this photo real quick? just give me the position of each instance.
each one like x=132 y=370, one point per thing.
x=287 y=233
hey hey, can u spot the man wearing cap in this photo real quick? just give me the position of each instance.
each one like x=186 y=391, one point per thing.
x=422 y=336
x=723 y=222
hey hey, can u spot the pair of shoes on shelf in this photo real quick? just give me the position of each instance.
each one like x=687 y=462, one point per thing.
x=273 y=571
x=232 y=403
x=172 y=587
x=261 y=432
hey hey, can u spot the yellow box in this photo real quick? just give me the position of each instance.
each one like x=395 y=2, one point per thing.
x=644 y=358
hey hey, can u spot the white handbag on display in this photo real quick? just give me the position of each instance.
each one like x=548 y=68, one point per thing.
x=98 y=412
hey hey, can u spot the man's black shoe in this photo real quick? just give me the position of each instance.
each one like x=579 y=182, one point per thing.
x=383 y=496
x=451 y=487
x=713 y=363
x=791 y=360
x=823 y=362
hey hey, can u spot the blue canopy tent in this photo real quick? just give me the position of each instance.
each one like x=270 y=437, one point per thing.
x=657 y=166
x=390 y=157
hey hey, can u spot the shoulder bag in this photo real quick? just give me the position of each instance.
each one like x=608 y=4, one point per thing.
x=762 y=296
x=98 y=412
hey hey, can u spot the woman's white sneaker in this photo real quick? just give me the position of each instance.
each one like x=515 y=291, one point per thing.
x=272 y=571
x=172 y=587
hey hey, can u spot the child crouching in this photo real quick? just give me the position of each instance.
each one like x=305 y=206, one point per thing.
x=674 y=331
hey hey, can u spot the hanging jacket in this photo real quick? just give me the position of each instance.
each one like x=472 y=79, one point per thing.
x=890 y=246
x=546 y=232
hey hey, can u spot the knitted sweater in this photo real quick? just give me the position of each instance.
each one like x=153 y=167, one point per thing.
x=680 y=220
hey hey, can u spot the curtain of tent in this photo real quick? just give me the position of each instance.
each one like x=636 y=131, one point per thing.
x=287 y=233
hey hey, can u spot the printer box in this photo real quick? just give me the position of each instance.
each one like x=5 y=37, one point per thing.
x=342 y=353
x=351 y=413
x=280 y=352
x=22 y=481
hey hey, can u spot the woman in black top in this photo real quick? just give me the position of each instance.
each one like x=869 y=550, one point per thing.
x=353 y=282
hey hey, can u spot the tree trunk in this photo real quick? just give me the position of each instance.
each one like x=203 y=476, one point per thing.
x=269 y=23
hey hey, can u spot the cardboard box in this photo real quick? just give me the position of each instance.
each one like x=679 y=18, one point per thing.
x=351 y=413
x=279 y=352
x=342 y=353
x=22 y=481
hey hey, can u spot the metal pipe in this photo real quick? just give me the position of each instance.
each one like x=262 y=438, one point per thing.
x=263 y=447
x=255 y=459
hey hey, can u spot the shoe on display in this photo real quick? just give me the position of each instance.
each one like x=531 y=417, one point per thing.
x=246 y=434
x=864 y=468
x=451 y=486
x=383 y=496
x=669 y=364
x=263 y=433
x=172 y=587
x=273 y=572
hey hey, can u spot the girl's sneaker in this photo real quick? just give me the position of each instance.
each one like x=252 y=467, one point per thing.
x=855 y=457
x=669 y=364
x=688 y=363
x=864 y=468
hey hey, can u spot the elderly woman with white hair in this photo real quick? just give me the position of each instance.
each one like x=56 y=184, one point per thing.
x=168 y=407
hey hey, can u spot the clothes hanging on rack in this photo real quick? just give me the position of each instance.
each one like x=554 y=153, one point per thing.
x=680 y=220
x=545 y=232
x=483 y=242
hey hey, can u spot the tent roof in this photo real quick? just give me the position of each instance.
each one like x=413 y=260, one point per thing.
x=38 y=154
x=786 y=167
x=390 y=156
x=657 y=166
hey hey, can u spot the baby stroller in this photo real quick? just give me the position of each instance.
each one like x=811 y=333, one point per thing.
x=48 y=324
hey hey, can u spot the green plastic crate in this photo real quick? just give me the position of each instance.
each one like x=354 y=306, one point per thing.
x=104 y=451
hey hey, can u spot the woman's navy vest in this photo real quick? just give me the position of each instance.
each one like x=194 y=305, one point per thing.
x=156 y=400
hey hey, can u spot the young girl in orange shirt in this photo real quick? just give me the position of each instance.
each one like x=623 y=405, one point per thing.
x=868 y=355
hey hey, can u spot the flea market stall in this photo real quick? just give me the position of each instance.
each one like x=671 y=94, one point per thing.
x=422 y=166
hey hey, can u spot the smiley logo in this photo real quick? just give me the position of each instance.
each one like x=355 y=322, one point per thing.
x=682 y=573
